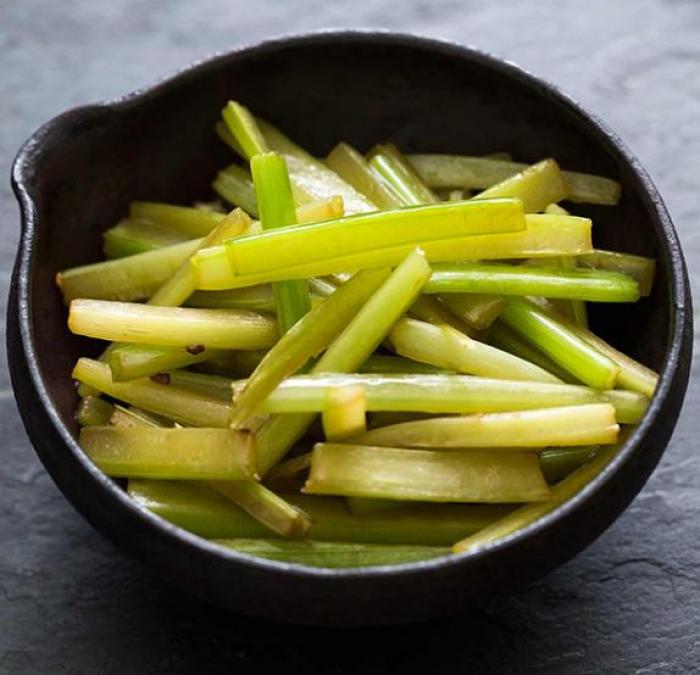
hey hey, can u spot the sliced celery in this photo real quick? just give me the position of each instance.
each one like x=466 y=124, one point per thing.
x=351 y=166
x=176 y=403
x=638 y=267
x=266 y=507
x=578 y=357
x=289 y=468
x=450 y=171
x=93 y=411
x=557 y=463
x=433 y=310
x=244 y=129
x=369 y=506
x=444 y=394
x=391 y=167
x=425 y=475
x=349 y=350
x=379 y=363
x=306 y=339
x=186 y=220
x=129 y=237
x=549 y=282
x=254 y=298
x=172 y=326
x=151 y=452
x=235 y=185
x=274 y=195
x=333 y=554
x=212 y=385
x=447 y=348
x=475 y=309
x=130 y=361
x=566 y=426
x=202 y=511
x=344 y=412
x=135 y=417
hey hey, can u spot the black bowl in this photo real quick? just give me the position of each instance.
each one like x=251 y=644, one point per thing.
x=77 y=174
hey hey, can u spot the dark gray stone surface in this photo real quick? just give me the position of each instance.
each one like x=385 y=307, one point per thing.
x=71 y=602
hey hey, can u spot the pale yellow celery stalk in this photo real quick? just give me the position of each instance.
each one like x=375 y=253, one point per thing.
x=344 y=413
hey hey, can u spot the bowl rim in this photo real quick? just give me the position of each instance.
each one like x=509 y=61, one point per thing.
x=667 y=241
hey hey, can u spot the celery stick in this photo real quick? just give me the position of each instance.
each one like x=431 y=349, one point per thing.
x=351 y=166
x=544 y=236
x=557 y=463
x=235 y=185
x=130 y=361
x=212 y=385
x=369 y=506
x=344 y=412
x=379 y=364
x=349 y=350
x=633 y=375
x=171 y=326
x=449 y=171
x=556 y=210
x=508 y=340
x=132 y=278
x=233 y=364
x=93 y=411
x=310 y=243
x=475 y=309
x=306 y=339
x=129 y=237
x=638 y=267
x=266 y=507
x=151 y=452
x=550 y=282
x=577 y=308
x=432 y=310
x=244 y=129
x=204 y=512
x=336 y=555
x=459 y=394
x=311 y=177
x=276 y=206
x=289 y=468
x=559 y=343
x=571 y=425
x=425 y=475
x=213 y=205
x=185 y=220
x=391 y=167
x=135 y=417
x=181 y=405
x=447 y=348
x=528 y=514
x=537 y=186
x=222 y=131
x=254 y=298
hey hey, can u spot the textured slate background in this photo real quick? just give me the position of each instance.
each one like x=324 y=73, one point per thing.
x=69 y=601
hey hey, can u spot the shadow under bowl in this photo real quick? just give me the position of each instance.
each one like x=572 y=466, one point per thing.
x=76 y=176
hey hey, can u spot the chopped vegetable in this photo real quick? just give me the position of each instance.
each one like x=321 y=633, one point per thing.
x=344 y=412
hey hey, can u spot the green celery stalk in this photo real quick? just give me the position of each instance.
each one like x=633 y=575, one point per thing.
x=450 y=171
x=235 y=185
x=352 y=167
x=176 y=403
x=433 y=310
x=557 y=463
x=129 y=237
x=131 y=361
x=550 y=282
x=530 y=513
x=349 y=350
x=425 y=475
x=171 y=326
x=369 y=506
x=336 y=555
x=186 y=220
x=508 y=340
x=134 y=277
x=93 y=411
x=232 y=364
x=311 y=179
x=308 y=338
x=344 y=412
x=545 y=235
x=226 y=136
x=152 y=452
x=447 y=348
x=289 y=468
x=212 y=385
x=380 y=364
x=386 y=162
x=276 y=206
x=254 y=298
x=638 y=267
x=588 y=424
x=244 y=129
x=266 y=507
x=459 y=394
x=475 y=309
x=204 y=512
x=537 y=185
x=135 y=417
x=559 y=343
x=633 y=375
